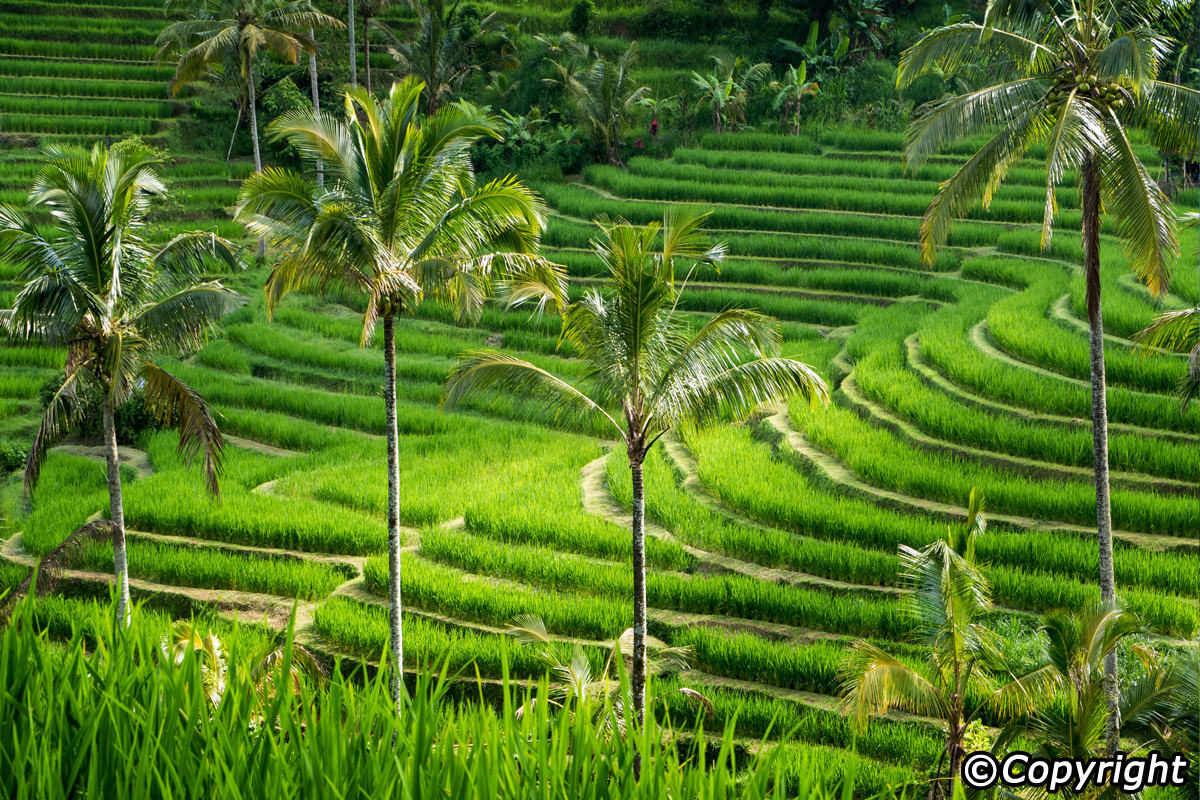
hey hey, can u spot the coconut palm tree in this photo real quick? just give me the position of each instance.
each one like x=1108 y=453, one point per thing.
x=233 y=34
x=399 y=218
x=1074 y=79
x=114 y=300
x=791 y=91
x=643 y=356
x=1074 y=726
x=603 y=93
x=728 y=87
x=947 y=598
x=441 y=53
x=370 y=10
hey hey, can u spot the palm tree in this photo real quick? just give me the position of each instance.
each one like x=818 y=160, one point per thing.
x=1074 y=79
x=1074 y=726
x=728 y=87
x=370 y=10
x=353 y=49
x=399 y=217
x=100 y=288
x=603 y=93
x=789 y=93
x=947 y=598
x=441 y=53
x=232 y=34
x=643 y=356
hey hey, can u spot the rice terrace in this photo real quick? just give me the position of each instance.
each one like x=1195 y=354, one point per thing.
x=597 y=399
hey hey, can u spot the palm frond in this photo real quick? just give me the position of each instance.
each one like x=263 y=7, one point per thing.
x=173 y=402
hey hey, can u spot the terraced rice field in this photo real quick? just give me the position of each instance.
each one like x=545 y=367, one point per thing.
x=774 y=542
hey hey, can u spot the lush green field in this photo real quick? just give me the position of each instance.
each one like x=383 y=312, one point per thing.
x=774 y=541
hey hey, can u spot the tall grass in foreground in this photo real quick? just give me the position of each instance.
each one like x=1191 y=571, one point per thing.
x=73 y=717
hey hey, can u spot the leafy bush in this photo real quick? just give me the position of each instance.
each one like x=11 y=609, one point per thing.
x=582 y=15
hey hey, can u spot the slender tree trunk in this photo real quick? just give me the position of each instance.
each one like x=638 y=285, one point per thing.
x=316 y=97
x=353 y=50
x=251 y=92
x=638 y=678
x=236 y=125
x=393 y=521
x=116 y=513
x=367 y=49
x=1108 y=584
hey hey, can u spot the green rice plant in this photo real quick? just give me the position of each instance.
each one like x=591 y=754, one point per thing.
x=35 y=84
x=22 y=383
x=93 y=126
x=32 y=355
x=734 y=595
x=85 y=69
x=879 y=459
x=625 y=184
x=744 y=476
x=857 y=167
x=883 y=378
x=94 y=699
x=443 y=590
x=280 y=430
x=696 y=525
x=550 y=517
x=1020 y=327
x=72 y=106
x=49 y=48
x=944 y=344
x=586 y=203
x=362 y=630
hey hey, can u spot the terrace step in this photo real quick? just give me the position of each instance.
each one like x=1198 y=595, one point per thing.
x=597 y=500
x=982 y=340
x=934 y=378
x=1062 y=311
x=874 y=412
x=836 y=472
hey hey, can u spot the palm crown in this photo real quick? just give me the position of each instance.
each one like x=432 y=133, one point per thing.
x=110 y=296
x=400 y=216
x=1072 y=79
x=641 y=352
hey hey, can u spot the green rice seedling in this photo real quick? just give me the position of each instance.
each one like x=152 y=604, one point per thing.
x=22 y=383
x=97 y=696
x=733 y=595
x=945 y=345
x=49 y=48
x=799 y=195
x=443 y=590
x=883 y=378
x=32 y=356
x=280 y=430
x=70 y=106
x=585 y=203
x=362 y=629
x=698 y=526
x=17 y=68
x=1020 y=326
x=744 y=476
x=878 y=458
x=35 y=84
x=92 y=125
x=222 y=354
x=857 y=166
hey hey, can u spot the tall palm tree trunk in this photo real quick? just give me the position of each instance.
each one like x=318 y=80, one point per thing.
x=116 y=513
x=353 y=50
x=1108 y=587
x=316 y=97
x=393 y=522
x=252 y=96
x=367 y=49
x=638 y=679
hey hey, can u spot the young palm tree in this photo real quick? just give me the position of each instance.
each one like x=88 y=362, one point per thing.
x=947 y=597
x=399 y=217
x=728 y=87
x=791 y=91
x=441 y=53
x=643 y=356
x=233 y=33
x=1075 y=79
x=114 y=300
x=1077 y=645
x=603 y=93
